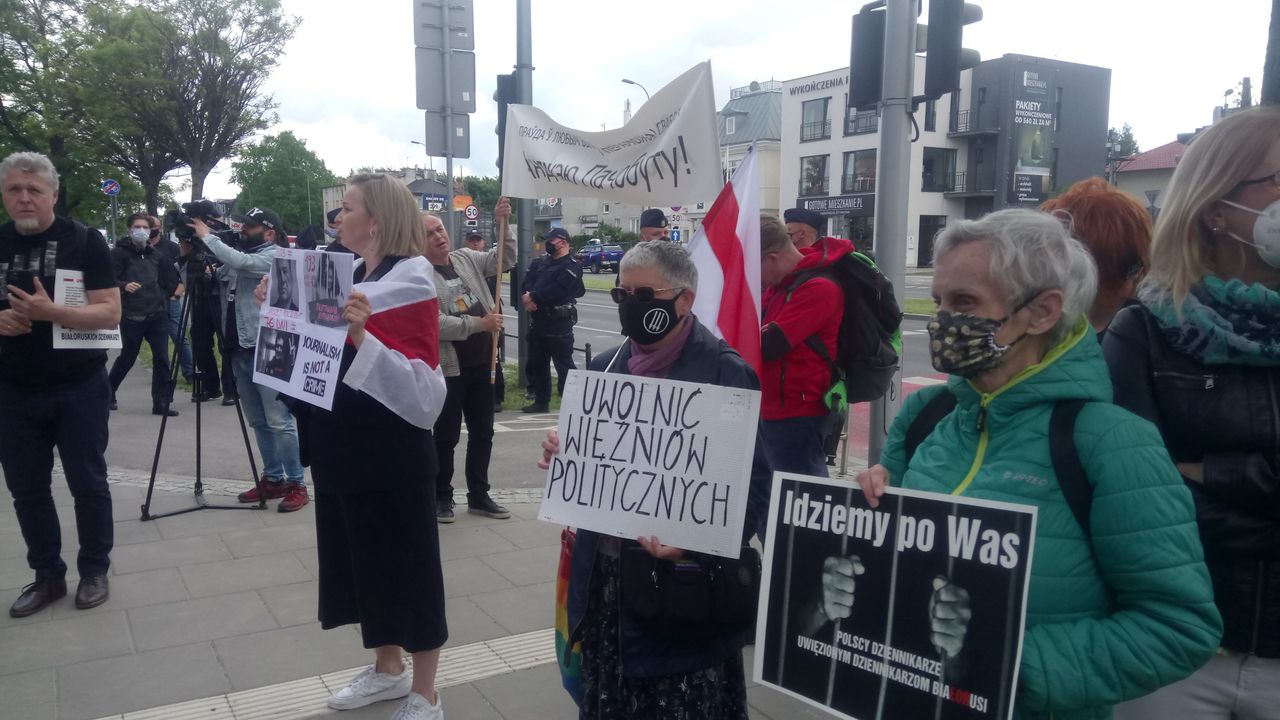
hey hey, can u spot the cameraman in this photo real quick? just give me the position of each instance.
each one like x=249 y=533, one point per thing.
x=261 y=235
x=200 y=275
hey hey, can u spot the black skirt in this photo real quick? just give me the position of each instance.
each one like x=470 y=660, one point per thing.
x=379 y=558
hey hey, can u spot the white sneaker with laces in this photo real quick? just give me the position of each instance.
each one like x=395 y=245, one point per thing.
x=370 y=687
x=416 y=707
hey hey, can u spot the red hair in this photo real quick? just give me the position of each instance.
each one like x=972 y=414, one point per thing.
x=1114 y=227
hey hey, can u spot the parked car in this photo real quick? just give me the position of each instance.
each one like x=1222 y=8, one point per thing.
x=596 y=256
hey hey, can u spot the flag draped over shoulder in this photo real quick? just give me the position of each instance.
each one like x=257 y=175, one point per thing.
x=398 y=363
x=726 y=251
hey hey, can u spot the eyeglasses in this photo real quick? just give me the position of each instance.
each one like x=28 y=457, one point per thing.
x=1273 y=178
x=643 y=294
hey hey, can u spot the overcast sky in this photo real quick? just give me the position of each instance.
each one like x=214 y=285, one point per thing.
x=345 y=83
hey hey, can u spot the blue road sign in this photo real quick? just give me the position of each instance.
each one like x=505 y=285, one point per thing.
x=675 y=234
x=110 y=187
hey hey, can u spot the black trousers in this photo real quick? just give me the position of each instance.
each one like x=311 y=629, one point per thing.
x=155 y=330
x=73 y=419
x=469 y=396
x=206 y=318
x=547 y=347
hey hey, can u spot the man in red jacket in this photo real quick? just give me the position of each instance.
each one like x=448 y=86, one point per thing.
x=803 y=308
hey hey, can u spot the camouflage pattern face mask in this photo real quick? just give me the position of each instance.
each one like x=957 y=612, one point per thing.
x=965 y=345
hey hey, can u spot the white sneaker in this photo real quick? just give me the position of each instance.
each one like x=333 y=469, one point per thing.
x=370 y=687
x=416 y=707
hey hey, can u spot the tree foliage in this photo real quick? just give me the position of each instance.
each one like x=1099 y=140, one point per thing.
x=1122 y=142
x=276 y=173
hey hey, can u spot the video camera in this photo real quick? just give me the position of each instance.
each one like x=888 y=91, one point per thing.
x=207 y=211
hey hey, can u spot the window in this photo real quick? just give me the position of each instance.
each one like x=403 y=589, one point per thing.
x=938 y=174
x=931 y=116
x=859 y=172
x=731 y=168
x=813 y=175
x=858 y=123
x=730 y=124
x=930 y=226
x=978 y=155
x=635 y=225
x=606 y=208
x=814 y=124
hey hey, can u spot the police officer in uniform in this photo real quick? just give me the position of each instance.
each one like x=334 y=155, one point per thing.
x=550 y=288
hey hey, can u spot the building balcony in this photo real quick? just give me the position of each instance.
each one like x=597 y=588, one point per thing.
x=962 y=185
x=855 y=184
x=815 y=131
x=968 y=124
x=812 y=189
x=545 y=211
x=861 y=124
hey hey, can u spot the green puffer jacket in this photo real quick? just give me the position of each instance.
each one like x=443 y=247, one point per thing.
x=1104 y=626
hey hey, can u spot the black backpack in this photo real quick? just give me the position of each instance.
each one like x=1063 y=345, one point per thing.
x=1062 y=448
x=870 y=336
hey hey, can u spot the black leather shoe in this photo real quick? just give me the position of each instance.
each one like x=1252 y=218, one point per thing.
x=536 y=408
x=228 y=400
x=36 y=596
x=161 y=411
x=92 y=592
x=487 y=507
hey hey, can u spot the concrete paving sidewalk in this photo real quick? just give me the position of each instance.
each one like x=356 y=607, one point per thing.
x=216 y=610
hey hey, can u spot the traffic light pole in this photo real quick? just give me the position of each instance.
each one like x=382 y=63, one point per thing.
x=449 y=223
x=524 y=208
x=893 y=184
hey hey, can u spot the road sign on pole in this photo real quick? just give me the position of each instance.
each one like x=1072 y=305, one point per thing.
x=438 y=129
x=471 y=212
x=431 y=86
x=429 y=22
x=110 y=187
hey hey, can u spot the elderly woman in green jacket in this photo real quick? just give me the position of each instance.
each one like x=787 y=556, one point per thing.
x=1115 y=610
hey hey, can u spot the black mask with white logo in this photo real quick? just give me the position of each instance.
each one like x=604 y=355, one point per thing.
x=648 y=321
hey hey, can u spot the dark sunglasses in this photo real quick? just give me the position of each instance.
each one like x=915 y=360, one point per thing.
x=643 y=294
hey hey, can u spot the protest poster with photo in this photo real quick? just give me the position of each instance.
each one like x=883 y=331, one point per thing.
x=648 y=456
x=913 y=609
x=668 y=154
x=300 y=330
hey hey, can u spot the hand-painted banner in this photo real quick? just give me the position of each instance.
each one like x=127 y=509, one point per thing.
x=645 y=456
x=912 y=609
x=669 y=154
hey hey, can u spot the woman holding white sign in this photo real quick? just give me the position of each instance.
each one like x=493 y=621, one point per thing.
x=379 y=553
x=1119 y=601
x=638 y=662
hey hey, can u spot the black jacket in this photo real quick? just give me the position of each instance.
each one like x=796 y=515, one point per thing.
x=1228 y=418
x=150 y=268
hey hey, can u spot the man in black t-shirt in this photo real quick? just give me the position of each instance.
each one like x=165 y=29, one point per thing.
x=53 y=397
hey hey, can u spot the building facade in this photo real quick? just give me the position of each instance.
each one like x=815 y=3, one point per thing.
x=1018 y=129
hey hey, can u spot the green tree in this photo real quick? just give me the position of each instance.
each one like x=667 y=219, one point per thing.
x=1122 y=142
x=484 y=191
x=277 y=172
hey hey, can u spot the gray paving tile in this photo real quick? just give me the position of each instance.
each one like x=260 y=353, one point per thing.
x=526 y=567
x=9 y=595
x=292 y=604
x=268 y=540
x=73 y=640
x=133 y=590
x=532 y=693
x=131 y=532
x=469 y=576
x=521 y=609
x=305 y=516
x=11 y=543
x=224 y=576
x=188 y=621
x=167 y=553
x=309 y=561
x=468 y=623
x=276 y=656
x=30 y=695
x=136 y=682
x=529 y=533
x=204 y=522
x=463 y=541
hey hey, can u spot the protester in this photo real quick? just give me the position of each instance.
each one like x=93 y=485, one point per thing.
x=54 y=398
x=171 y=253
x=653 y=225
x=802 y=307
x=1200 y=358
x=147 y=279
x=379 y=562
x=1115 y=609
x=550 y=290
x=333 y=224
x=475 y=241
x=204 y=292
x=804 y=227
x=469 y=317
x=629 y=669
x=1116 y=230
x=261 y=235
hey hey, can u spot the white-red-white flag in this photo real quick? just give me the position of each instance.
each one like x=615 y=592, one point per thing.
x=726 y=251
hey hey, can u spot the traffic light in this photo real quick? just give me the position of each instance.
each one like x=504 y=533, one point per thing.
x=945 y=57
x=505 y=93
x=866 y=58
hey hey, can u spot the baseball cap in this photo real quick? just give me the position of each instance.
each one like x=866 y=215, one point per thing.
x=332 y=215
x=261 y=216
x=474 y=234
x=556 y=234
x=653 y=218
x=806 y=217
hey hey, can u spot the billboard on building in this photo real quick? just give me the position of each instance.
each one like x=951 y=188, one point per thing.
x=1032 y=137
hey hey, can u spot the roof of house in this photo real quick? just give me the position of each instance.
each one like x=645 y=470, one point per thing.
x=427 y=186
x=1164 y=157
x=758 y=116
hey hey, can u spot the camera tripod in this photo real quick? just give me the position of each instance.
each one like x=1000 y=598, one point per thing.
x=193 y=301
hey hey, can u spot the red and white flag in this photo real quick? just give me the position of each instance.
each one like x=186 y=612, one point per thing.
x=726 y=251
x=398 y=363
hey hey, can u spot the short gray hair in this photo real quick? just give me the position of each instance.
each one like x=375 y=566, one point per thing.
x=1031 y=252
x=31 y=163
x=670 y=259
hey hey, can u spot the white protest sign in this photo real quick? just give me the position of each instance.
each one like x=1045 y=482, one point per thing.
x=645 y=456
x=68 y=290
x=669 y=154
x=300 y=327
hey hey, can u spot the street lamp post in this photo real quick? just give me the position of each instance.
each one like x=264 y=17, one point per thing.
x=633 y=82
x=306 y=173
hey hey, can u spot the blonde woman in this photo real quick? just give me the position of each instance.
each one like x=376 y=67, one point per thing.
x=1200 y=358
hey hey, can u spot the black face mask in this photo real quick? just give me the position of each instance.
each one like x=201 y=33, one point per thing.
x=252 y=241
x=648 y=321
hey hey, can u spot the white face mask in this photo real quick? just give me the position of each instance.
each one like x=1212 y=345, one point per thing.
x=139 y=236
x=1266 y=232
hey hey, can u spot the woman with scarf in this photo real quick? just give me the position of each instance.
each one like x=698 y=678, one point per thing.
x=629 y=669
x=1200 y=358
x=1118 y=602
